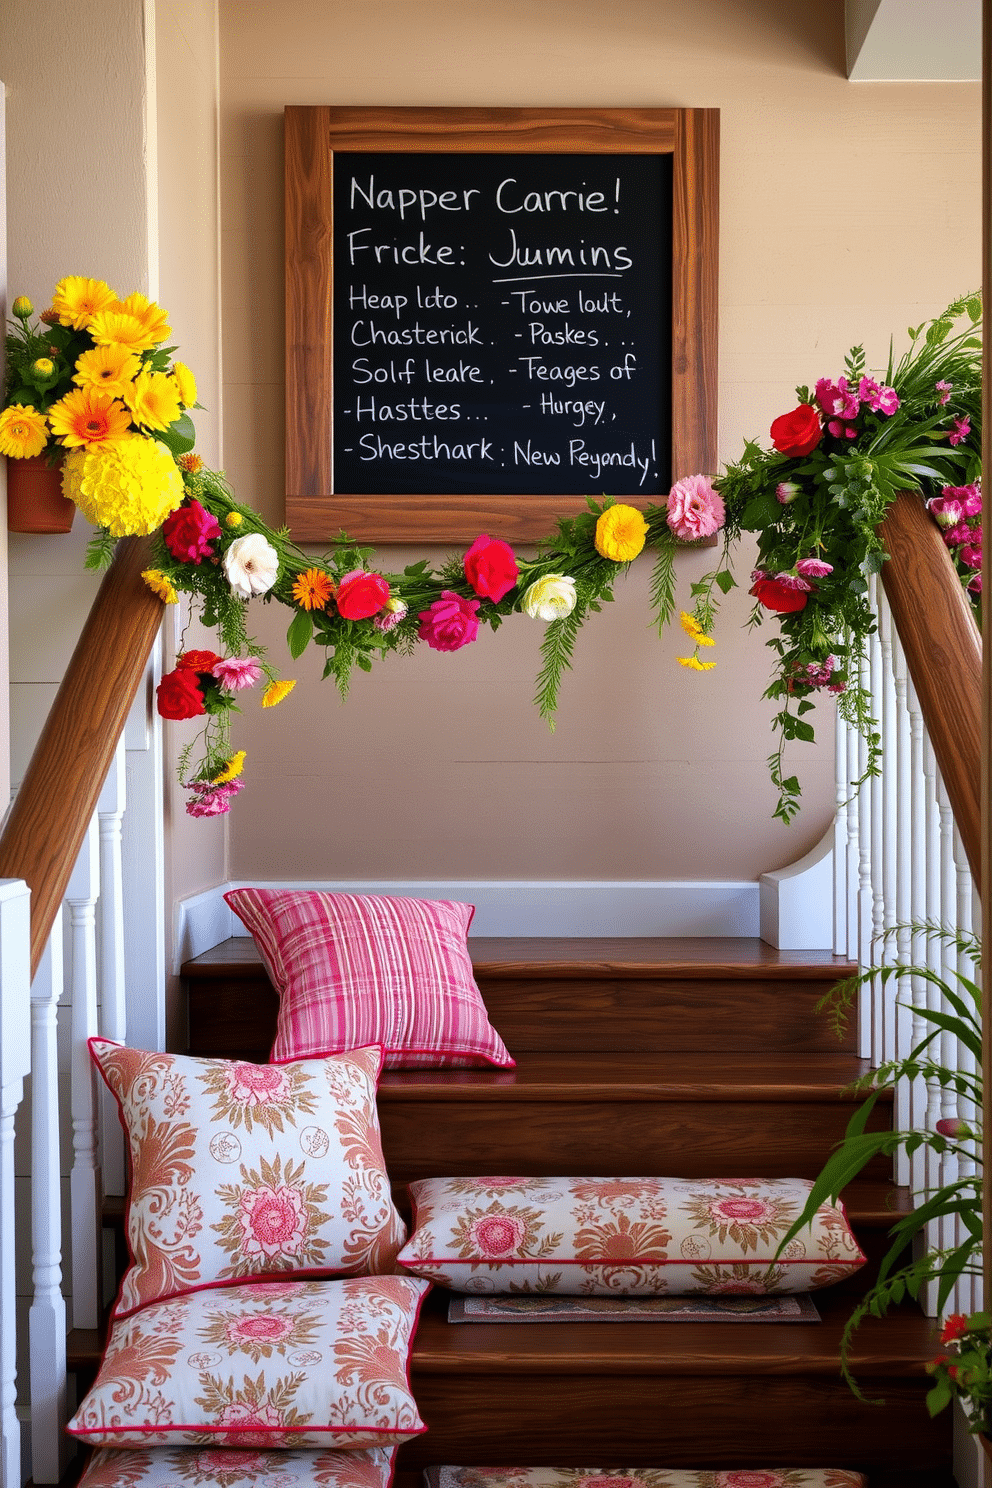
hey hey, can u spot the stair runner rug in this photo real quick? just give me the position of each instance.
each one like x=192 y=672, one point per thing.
x=642 y=1477
x=797 y=1308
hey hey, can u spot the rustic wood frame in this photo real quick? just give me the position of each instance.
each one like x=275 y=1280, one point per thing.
x=314 y=511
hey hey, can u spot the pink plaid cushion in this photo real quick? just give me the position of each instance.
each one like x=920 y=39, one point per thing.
x=354 y=969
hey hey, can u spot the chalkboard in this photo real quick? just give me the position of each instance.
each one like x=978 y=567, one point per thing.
x=492 y=314
x=500 y=322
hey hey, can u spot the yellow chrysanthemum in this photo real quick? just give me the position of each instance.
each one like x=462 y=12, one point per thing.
x=128 y=486
x=620 y=533
x=117 y=328
x=185 y=384
x=313 y=588
x=692 y=628
x=153 y=400
x=88 y=416
x=76 y=300
x=23 y=431
x=232 y=769
x=152 y=316
x=160 y=585
x=110 y=368
x=694 y=663
x=276 y=691
x=233 y=519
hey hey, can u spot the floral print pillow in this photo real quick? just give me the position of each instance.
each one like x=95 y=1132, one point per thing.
x=233 y=1467
x=641 y=1477
x=241 y=1170
x=624 y=1237
x=289 y=1364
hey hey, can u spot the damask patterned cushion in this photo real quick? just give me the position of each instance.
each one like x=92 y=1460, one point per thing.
x=641 y=1477
x=241 y=1171
x=269 y=1364
x=625 y=1237
x=354 y=969
x=232 y=1467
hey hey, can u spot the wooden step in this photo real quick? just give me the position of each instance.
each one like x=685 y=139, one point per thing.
x=717 y=995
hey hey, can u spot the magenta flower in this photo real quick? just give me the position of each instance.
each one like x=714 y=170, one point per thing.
x=839 y=430
x=975 y=583
x=390 y=615
x=450 y=623
x=813 y=568
x=946 y=510
x=757 y=574
x=958 y=534
x=695 y=509
x=212 y=800
x=837 y=399
x=971 y=556
x=189 y=531
x=793 y=581
x=970 y=498
x=944 y=389
x=235 y=673
x=878 y=398
x=962 y=428
x=786 y=492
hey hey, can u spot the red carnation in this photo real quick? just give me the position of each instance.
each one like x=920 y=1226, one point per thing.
x=178 y=696
x=797 y=433
x=189 y=531
x=775 y=595
x=491 y=568
x=361 y=594
x=955 y=1327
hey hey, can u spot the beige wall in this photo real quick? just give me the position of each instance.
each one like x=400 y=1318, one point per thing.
x=848 y=213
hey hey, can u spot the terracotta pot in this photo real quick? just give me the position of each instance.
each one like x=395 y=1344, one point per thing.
x=34 y=497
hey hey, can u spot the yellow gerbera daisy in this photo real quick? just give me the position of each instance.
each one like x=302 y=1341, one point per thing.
x=232 y=769
x=185 y=384
x=620 y=533
x=152 y=316
x=694 y=663
x=160 y=585
x=117 y=328
x=88 y=416
x=276 y=691
x=23 y=431
x=153 y=400
x=76 y=300
x=313 y=588
x=110 y=368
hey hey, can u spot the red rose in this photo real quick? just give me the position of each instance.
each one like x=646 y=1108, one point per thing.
x=189 y=531
x=361 y=594
x=776 y=596
x=491 y=568
x=178 y=696
x=797 y=433
x=197 y=661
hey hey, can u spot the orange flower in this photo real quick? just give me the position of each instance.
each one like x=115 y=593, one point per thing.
x=88 y=416
x=313 y=589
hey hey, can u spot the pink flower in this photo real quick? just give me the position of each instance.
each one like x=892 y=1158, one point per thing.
x=971 y=556
x=975 y=584
x=878 y=398
x=793 y=581
x=837 y=399
x=839 y=430
x=237 y=672
x=256 y=1084
x=787 y=491
x=390 y=616
x=695 y=509
x=969 y=496
x=813 y=568
x=212 y=800
x=962 y=428
x=261 y=1327
x=273 y=1222
x=957 y=534
x=491 y=568
x=944 y=389
x=450 y=623
x=189 y=531
x=746 y=1211
x=945 y=510
x=243 y=1417
x=497 y=1234
x=952 y=1126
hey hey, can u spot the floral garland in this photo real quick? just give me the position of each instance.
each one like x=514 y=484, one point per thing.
x=94 y=384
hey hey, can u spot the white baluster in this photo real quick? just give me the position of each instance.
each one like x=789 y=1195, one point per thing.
x=936 y=1170
x=885 y=946
x=965 y=921
x=15 y=1063
x=840 y=836
x=903 y=836
x=85 y=1186
x=47 y=1318
x=918 y=913
x=876 y=823
x=853 y=865
x=866 y=1020
x=113 y=1017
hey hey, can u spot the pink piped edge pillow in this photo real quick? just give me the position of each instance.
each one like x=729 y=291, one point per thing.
x=358 y=969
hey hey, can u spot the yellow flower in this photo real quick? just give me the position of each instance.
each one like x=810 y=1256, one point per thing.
x=23 y=431
x=22 y=307
x=110 y=368
x=313 y=589
x=185 y=384
x=128 y=486
x=191 y=463
x=76 y=300
x=276 y=691
x=232 y=769
x=692 y=628
x=152 y=316
x=694 y=663
x=116 y=327
x=620 y=533
x=44 y=367
x=153 y=400
x=88 y=416
x=233 y=519
x=160 y=585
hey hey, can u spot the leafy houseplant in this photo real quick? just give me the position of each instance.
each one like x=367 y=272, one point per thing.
x=966 y=1371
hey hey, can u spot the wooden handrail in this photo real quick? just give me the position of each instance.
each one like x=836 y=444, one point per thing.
x=943 y=650
x=53 y=807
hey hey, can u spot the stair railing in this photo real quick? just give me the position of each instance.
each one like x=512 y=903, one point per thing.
x=907 y=846
x=61 y=845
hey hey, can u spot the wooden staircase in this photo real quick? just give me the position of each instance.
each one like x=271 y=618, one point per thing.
x=696 y=1058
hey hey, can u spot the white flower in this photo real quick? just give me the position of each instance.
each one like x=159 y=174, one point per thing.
x=550 y=598
x=251 y=565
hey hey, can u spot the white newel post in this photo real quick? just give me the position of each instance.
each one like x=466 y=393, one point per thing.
x=85 y=1185
x=47 y=1319
x=113 y=1019
x=15 y=1063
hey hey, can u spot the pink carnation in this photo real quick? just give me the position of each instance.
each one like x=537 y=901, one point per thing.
x=786 y=492
x=450 y=623
x=878 y=398
x=813 y=568
x=792 y=581
x=212 y=800
x=237 y=672
x=695 y=509
x=837 y=399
